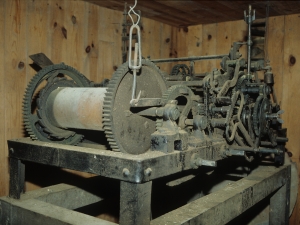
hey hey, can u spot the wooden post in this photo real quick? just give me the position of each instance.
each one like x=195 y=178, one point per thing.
x=17 y=178
x=135 y=203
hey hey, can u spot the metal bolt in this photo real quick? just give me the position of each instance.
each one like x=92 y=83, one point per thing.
x=148 y=172
x=126 y=172
x=173 y=102
x=175 y=114
x=11 y=150
x=198 y=162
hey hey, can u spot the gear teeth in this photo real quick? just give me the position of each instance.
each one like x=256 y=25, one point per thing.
x=108 y=99
x=107 y=111
x=108 y=103
x=36 y=130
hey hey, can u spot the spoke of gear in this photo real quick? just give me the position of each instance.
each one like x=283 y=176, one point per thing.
x=33 y=122
x=175 y=92
x=256 y=115
x=126 y=131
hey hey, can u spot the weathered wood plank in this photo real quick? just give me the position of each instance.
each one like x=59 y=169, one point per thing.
x=92 y=47
x=36 y=24
x=224 y=38
x=3 y=147
x=275 y=49
x=209 y=38
x=239 y=34
x=15 y=53
x=195 y=45
x=291 y=91
x=165 y=45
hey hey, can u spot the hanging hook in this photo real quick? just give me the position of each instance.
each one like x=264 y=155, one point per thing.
x=137 y=15
x=137 y=62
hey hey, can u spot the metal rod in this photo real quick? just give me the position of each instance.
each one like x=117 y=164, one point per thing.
x=191 y=58
x=249 y=42
x=250 y=149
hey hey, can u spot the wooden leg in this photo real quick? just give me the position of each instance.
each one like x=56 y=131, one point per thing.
x=280 y=204
x=135 y=203
x=17 y=178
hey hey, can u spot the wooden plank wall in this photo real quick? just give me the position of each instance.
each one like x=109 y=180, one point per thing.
x=80 y=34
x=284 y=54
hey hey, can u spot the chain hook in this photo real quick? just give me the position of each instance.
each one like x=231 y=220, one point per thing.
x=132 y=10
x=137 y=62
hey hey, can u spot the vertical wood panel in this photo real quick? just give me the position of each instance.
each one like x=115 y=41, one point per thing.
x=275 y=48
x=56 y=27
x=77 y=23
x=36 y=23
x=3 y=148
x=165 y=46
x=182 y=34
x=92 y=49
x=195 y=45
x=209 y=47
x=291 y=92
x=239 y=34
x=15 y=53
x=117 y=43
x=224 y=38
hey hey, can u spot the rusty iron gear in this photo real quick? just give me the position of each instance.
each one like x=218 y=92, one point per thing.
x=180 y=91
x=37 y=128
x=125 y=130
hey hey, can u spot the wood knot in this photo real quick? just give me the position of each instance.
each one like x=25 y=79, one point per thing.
x=21 y=65
x=88 y=49
x=292 y=60
x=73 y=19
x=64 y=32
x=209 y=37
x=186 y=29
x=167 y=40
x=55 y=24
x=115 y=68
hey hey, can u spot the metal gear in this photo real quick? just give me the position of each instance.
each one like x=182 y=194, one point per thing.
x=125 y=130
x=34 y=119
x=176 y=92
x=262 y=107
x=180 y=68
